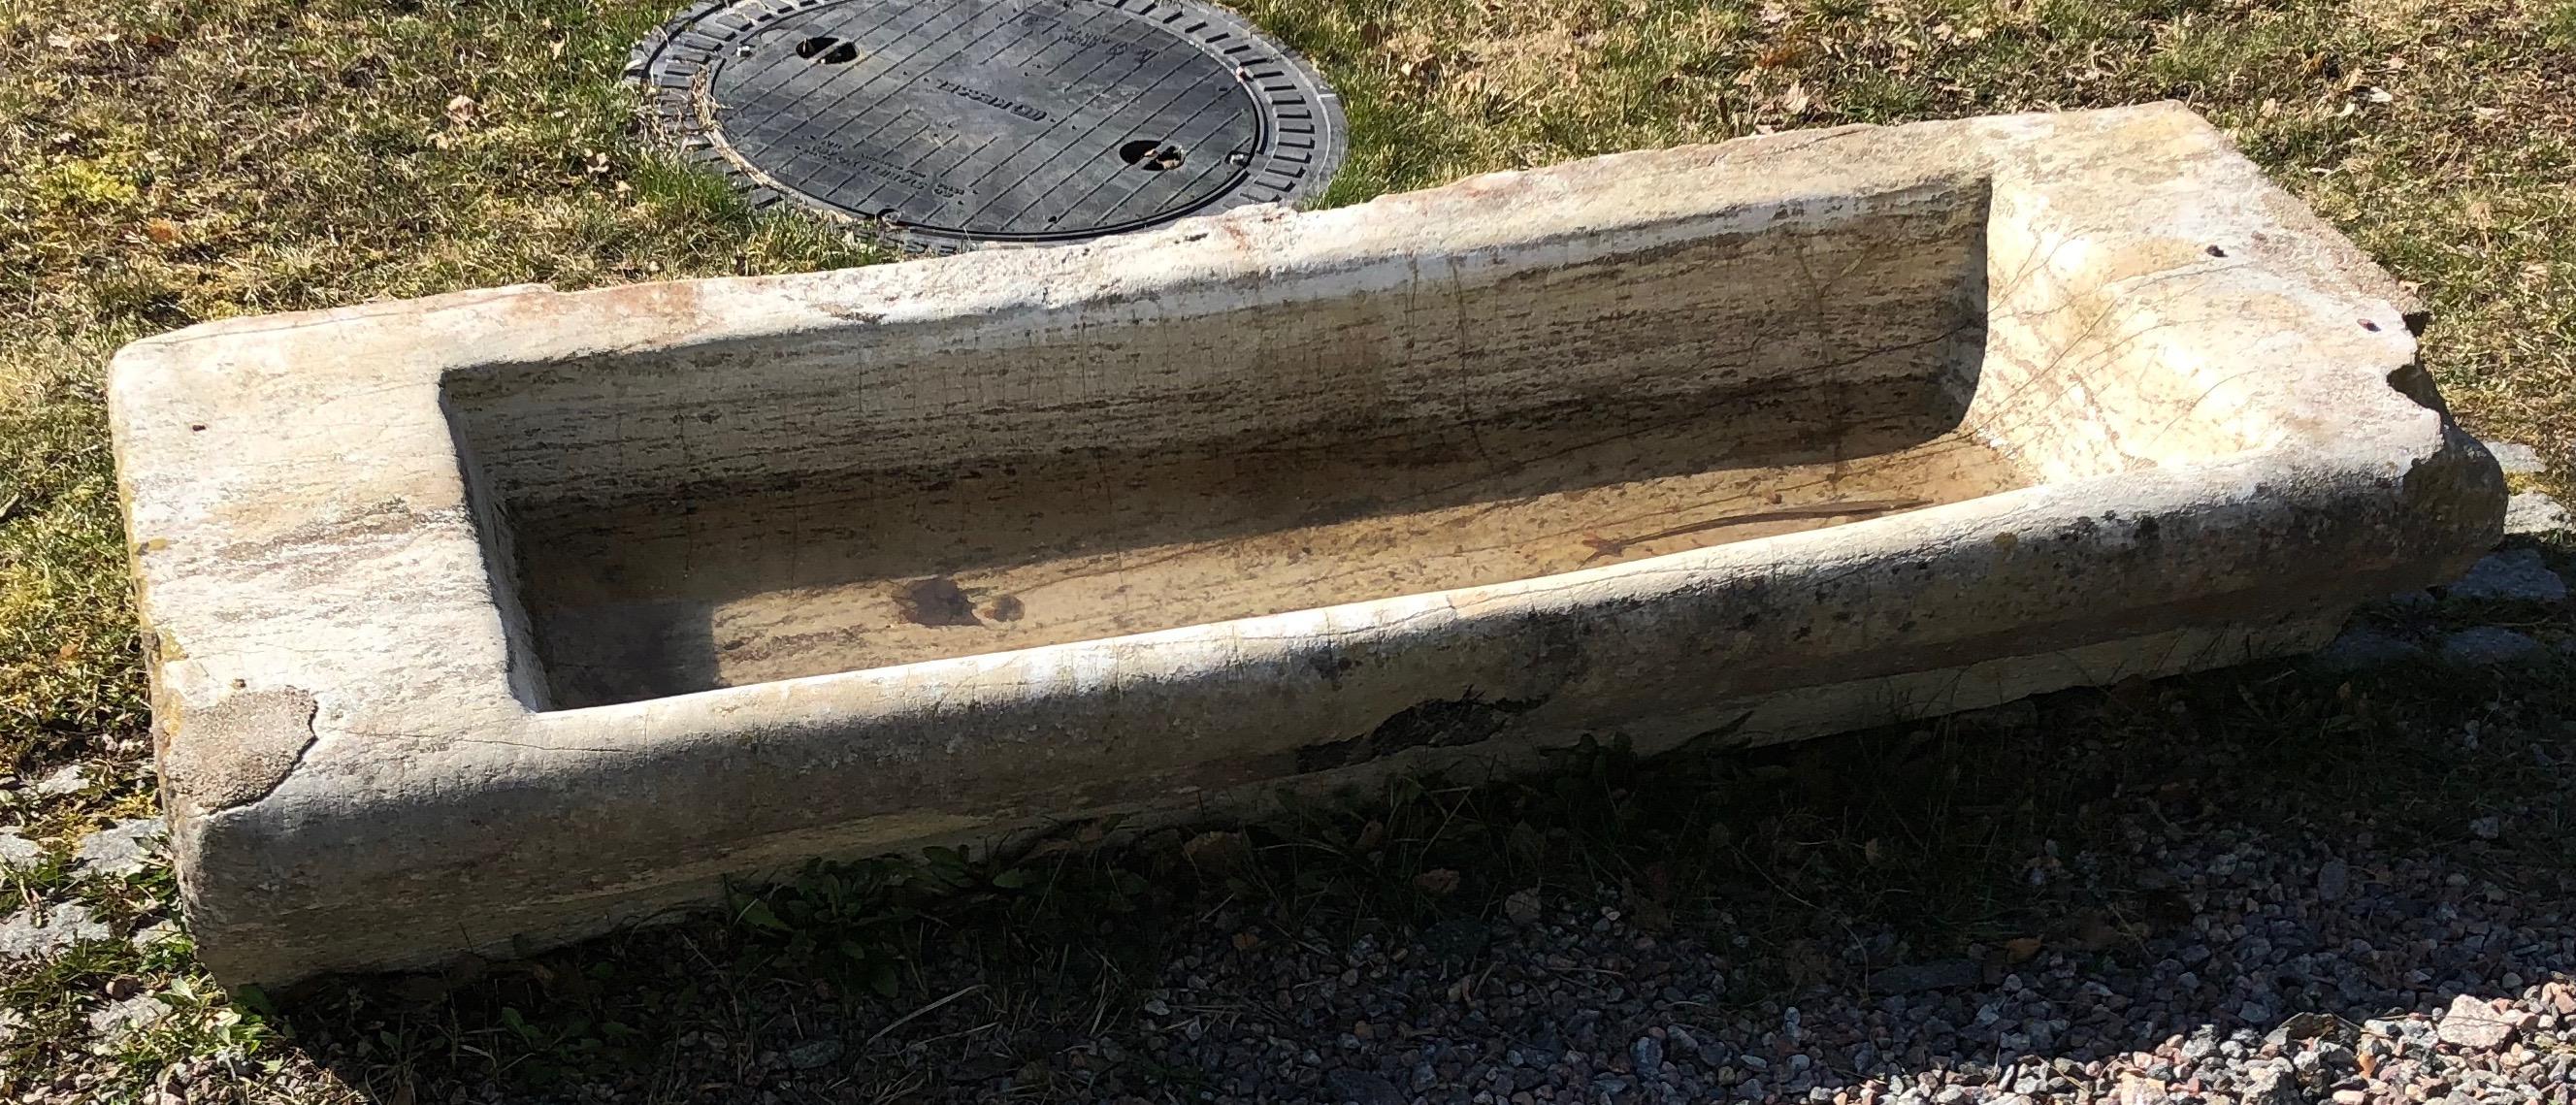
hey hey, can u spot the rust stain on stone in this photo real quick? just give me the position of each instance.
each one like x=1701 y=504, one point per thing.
x=936 y=601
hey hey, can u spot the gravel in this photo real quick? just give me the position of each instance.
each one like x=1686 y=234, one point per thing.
x=2417 y=987
x=1946 y=974
x=2288 y=967
x=2404 y=993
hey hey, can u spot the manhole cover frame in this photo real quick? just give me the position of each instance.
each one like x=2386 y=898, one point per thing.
x=672 y=65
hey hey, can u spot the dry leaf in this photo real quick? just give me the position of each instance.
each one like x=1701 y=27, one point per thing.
x=462 y=110
x=1438 y=882
x=2021 y=950
x=1795 y=100
x=1780 y=55
x=1371 y=835
x=161 y=230
x=1219 y=852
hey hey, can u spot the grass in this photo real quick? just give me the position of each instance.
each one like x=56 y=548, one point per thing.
x=164 y=162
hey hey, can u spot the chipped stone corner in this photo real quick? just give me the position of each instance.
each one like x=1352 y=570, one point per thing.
x=234 y=752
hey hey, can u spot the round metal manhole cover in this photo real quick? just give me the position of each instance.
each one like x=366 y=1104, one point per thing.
x=944 y=125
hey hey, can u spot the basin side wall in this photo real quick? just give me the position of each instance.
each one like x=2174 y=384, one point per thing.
x=1847 y=287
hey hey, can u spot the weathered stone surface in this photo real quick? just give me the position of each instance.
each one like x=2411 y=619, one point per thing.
x=119 y=849
x=2363 y=647
x=19 y=853
x=113 y=1022
x=154 y=935
x=2475 y=1022
x=2489 y=646
x=28 y=935
x=489 y=621
x=2516 y=458
x=237 y=749
x=2513 y=575
x=2535 y=513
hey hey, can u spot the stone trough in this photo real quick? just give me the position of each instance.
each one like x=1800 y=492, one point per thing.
x=489 y=621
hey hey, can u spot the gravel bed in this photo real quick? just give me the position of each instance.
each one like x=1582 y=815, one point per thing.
x=2308 y=971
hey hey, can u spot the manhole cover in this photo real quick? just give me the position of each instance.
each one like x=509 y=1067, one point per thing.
x=943 y=125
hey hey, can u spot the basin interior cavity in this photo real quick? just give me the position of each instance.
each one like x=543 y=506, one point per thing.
x=1038 y=474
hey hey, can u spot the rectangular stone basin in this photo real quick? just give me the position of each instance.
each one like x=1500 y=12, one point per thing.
x=494 y=620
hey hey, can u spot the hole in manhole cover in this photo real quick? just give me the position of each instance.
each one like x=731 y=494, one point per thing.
x=943 y=125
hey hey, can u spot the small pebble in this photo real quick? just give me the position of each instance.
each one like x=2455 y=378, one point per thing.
x=2473 y=1022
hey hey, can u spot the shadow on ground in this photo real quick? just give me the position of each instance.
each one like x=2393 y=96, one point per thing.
x=2100 y=893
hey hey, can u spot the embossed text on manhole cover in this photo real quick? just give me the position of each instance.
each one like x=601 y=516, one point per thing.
x=944 y=125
